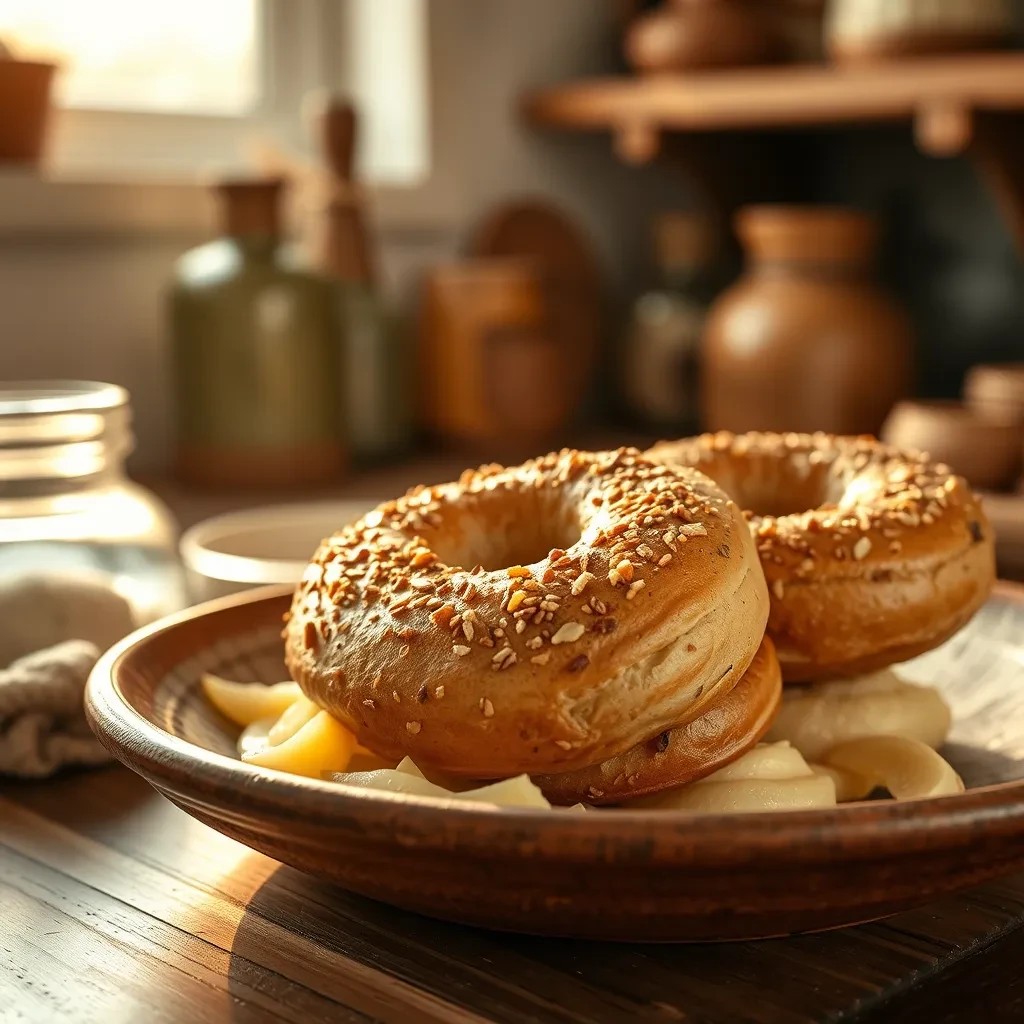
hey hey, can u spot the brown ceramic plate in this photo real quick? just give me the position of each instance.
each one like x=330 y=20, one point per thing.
x=644 y=875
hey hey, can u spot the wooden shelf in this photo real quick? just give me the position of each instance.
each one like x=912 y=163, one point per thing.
x=786 y=96
x=971 y=103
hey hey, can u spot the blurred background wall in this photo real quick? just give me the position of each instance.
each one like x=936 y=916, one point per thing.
x=85 y=258
x=88 y=302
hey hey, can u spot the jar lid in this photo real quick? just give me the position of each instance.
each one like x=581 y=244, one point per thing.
x=808 y=234
x=62 y=428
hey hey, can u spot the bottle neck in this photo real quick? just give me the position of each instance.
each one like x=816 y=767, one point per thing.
x=262 y=247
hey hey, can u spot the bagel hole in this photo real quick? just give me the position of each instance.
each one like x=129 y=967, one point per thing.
x=768 y=488
x=512 y=533
x=783 y=502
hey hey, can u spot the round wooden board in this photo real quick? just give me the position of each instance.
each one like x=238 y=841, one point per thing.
x=538 y=231
x=610 y=874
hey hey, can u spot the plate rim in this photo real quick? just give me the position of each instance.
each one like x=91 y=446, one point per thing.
x=865 y=830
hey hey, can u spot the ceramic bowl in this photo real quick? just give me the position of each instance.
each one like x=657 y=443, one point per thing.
x=609 y=874
x=986 y=452
x=996 y=392
x=256 y=547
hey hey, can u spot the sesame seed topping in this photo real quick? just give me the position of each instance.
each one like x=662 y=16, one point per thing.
x=569 y=632
x=580 y=583
x=486 y=707
x=564 y=744
x=504 y=657
x=635 y=588
x=693 y=530
x=778 y=589
x=541 y=659
x=413 y=727
x=862 y=548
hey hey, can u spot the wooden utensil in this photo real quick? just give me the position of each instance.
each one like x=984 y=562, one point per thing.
x=341 y=243
x=647 y=875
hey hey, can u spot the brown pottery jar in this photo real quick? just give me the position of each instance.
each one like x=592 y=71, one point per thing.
x=805 y=340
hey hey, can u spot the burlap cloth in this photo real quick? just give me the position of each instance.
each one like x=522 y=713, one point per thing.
x=52 y=630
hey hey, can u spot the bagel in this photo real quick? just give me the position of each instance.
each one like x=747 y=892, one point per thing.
x=723 y=732
x=536 y=619
x=872 y=554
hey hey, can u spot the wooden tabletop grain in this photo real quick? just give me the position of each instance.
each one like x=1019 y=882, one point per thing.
x=117 y=907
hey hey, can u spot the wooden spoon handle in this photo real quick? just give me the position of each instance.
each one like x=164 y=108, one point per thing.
x=337 y=134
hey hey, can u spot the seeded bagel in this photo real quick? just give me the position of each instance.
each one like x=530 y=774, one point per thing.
x=872 y=554
x=720 y=733
x=537 y=619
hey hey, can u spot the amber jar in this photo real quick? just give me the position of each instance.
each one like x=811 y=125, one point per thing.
x=806 y=339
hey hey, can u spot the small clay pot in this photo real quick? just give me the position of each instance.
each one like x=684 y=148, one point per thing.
x=986 y=452
x=805 y=340
x=24 y=110
x=996 y=392
x=683 y=35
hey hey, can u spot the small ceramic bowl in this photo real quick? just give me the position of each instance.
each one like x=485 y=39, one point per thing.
x=256 y=547
x=996 y=392
x=986 y=452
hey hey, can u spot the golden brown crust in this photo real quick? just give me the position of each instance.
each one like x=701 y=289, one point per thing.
x=649 y=606
x=693 y=750
x=872 y=554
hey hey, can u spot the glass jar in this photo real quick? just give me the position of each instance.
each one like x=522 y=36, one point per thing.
x=67 y=509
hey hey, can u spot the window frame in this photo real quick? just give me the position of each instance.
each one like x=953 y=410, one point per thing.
x=81 y=190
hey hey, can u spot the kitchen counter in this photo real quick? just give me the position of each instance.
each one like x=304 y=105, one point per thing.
x=119 y=907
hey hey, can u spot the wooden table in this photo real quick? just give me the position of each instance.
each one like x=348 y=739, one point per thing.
x=117 y=907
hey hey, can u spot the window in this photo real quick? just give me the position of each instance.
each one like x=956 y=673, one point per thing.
x=191 y=56
x=172 y=90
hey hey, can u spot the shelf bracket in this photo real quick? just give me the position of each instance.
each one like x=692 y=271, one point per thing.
x=943 y=128
x=636 y=143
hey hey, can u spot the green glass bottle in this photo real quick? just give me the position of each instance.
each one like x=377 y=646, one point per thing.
x=256 y=354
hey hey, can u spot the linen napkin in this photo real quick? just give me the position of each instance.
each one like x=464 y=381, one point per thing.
x=52 y=630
